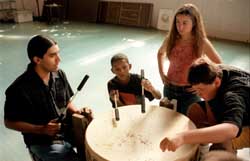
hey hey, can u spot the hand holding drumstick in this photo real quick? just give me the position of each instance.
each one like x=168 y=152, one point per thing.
x=147 y=85
x=117 y=116
x=112 y=95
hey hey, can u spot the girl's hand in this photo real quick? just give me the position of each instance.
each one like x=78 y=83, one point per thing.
x=164 y=79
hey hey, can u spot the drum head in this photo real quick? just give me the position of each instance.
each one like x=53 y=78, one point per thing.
x=136 y=136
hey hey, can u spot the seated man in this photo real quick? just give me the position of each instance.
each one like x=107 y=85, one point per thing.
x=224 y=118
x=36 y=99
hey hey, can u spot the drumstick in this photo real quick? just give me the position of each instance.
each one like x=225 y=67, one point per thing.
x=117 y=117
x=114 y=122
x=143 y=110
x=86 y=77
x=174 y=102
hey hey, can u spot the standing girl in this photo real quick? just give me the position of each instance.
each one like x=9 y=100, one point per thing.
x=185 y=42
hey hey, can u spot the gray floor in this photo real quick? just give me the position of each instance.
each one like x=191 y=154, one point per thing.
x=87 y=49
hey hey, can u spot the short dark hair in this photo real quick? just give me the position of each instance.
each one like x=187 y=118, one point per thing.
x=203 y=71
x=117 y=57
x=38 y=46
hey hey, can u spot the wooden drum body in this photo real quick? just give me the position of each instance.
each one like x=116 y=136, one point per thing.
x=136 y=137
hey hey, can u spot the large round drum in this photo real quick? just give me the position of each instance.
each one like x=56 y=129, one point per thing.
x=136 y=137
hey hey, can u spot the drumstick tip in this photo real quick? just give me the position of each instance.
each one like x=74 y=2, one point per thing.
x=114 y=122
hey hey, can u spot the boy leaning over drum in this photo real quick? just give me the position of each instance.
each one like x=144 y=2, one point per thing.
x=223 y=119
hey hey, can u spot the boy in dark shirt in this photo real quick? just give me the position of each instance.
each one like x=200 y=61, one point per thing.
x=224 y=119
x=127 y=86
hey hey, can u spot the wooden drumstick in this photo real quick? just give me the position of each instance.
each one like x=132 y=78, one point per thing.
x=143 y=110
x=117 y=117
x=86 y=77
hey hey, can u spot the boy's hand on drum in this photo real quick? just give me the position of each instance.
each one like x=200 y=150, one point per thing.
x=171 y=144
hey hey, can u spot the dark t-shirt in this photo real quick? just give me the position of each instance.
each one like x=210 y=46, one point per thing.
x=29 y=100
x=131 y=92
x=231 y=103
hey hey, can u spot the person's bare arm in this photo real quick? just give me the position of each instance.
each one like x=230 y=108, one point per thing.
x=161 y=57
x=213 y=134
x=156 y=93
x=211 y=52
x=149 y=87
x=51 y=129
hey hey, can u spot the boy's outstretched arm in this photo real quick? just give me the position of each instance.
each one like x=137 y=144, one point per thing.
x=149 y=87
x=213 y=134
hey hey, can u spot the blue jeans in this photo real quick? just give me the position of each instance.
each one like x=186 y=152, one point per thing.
x=54 y=152
x=183 y=97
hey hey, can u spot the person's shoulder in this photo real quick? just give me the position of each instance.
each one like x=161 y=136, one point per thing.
x=206 y=41
x=234 y=78
x=113 y=80
x=232 y=68
x=59 y=74
x=233 y=71
x=163 y=46
x=135 y=76
x=19 y=82
x=135 y=79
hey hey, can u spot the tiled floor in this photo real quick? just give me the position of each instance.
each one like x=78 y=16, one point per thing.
x=87 y=49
